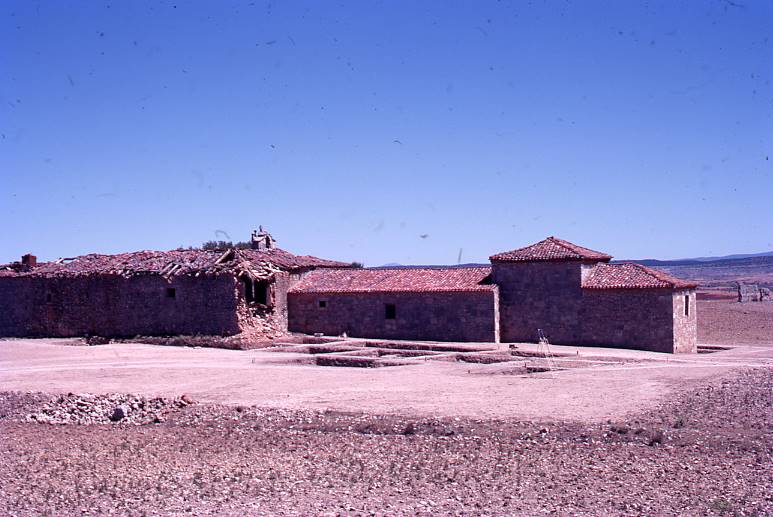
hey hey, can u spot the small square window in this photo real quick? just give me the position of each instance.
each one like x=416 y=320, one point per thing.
x=390 y=311
x=171 y=292
x=322 y=304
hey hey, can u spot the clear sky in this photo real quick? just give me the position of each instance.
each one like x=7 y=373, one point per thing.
x=387 y=131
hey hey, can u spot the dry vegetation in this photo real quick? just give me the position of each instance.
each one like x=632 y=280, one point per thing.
x=707 y=453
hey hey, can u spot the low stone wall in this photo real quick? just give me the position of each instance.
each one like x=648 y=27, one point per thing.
x=447 y=316
x=114 y=306
x=753 y=293
x=748 y=293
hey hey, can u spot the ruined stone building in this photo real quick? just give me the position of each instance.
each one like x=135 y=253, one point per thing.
x=207 y=292
x=753 y=293
x=572 y=293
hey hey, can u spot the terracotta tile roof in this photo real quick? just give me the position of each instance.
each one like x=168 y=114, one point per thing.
x=396 y=280
x=550 y=249
x=632 y=276
x=175 y=262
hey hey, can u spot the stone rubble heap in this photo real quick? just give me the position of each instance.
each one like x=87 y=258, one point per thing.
x=85 y=409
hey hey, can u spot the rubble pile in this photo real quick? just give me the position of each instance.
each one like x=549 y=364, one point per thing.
x=85 y=409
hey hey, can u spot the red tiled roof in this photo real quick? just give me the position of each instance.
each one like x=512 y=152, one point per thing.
x=632 y=276
x=175 y=262
x=391 y=280
x=551 y=249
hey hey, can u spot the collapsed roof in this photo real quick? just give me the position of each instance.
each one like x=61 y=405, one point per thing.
x=254 y=263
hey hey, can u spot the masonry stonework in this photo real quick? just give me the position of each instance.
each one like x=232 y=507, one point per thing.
x=539 y=295
x=685 y=311
x=642 y=320
x=149 y=293
x=436 y=316
x=573 y=294
x=111 y=305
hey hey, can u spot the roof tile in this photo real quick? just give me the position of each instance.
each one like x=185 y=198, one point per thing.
x=632 y=276
x=380 y=280
x=550 y=249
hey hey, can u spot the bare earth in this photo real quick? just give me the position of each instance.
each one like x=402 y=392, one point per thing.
x=705 y=452
x=612 y=432
x=730 y=322
x=603 y=384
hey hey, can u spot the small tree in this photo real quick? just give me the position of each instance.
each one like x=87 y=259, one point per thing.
x=216 y=245
x=225 y=245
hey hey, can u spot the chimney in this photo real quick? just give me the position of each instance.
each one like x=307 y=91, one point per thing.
x=261 y=239
x=29 y=260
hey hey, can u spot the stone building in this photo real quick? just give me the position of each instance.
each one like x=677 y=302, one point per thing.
x=222 y=292
x=424 y=303
x=753 y=293
x=573 y=294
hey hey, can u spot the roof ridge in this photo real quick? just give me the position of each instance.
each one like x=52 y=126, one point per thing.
x=564 y=244
x=550 y=248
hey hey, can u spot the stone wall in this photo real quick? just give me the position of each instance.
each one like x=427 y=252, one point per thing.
x=447 y=316
x=748 y=293
x=685 y=322
x=115 y=306
x=641 y=319
x=539 y=295
x=267 y=320
x=753 y=293
x=549 y=296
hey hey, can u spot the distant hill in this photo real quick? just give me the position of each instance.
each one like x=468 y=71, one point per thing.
x=697 y=260
x=719 y=272
x=395 y=265
x=737 y=256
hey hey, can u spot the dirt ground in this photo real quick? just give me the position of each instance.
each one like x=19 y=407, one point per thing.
x=730 y=322
x=704 y=451
x=598 y=384
x=613 y=432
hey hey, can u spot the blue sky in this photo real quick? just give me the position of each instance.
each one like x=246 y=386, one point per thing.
x=387 y=131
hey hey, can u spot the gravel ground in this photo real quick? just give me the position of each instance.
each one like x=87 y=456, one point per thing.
x=707 y=453
x=112 y=407
x=730 y=323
